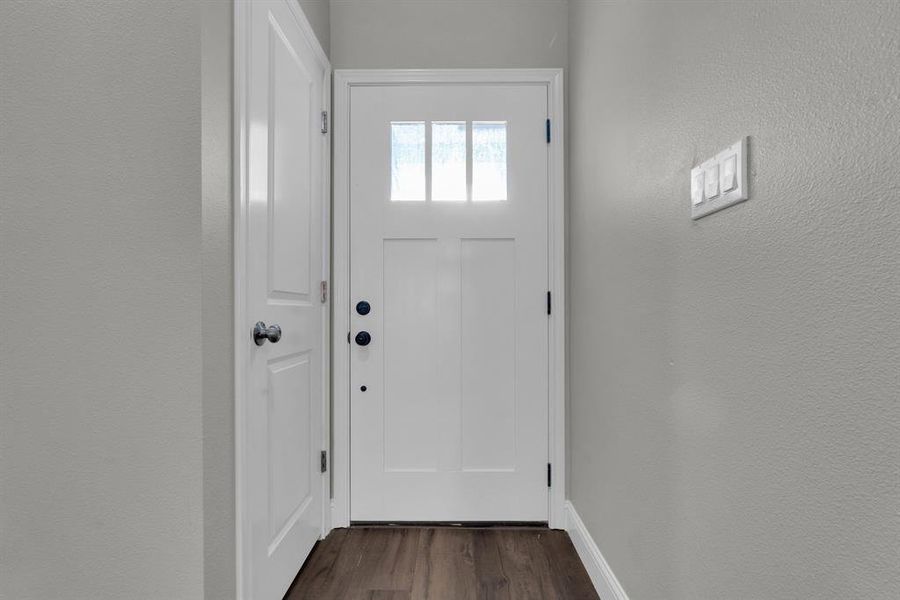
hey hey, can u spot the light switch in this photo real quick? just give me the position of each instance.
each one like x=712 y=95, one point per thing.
x=697 y=187
x=729 y=173
x=712 y=180
x=720 y=181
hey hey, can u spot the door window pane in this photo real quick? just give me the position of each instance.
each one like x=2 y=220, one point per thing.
x=488 y=160
x=408 y=161
x=448 y=161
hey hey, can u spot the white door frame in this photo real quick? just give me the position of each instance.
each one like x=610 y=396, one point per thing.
x=240 y=194
x=344 y=80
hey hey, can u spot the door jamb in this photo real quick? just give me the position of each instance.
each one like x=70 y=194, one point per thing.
x=240 y=199
x=344 y=80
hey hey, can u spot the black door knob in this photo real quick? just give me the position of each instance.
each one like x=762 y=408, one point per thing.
x=261 y=333
x=363 y=338
x=363 y=307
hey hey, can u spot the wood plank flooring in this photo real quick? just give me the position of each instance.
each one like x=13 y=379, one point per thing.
x=443 y=563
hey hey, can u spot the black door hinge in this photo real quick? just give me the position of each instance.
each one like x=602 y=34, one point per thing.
x=323 y=461
x=549 y=303
x=549 y=474
x=548 y=131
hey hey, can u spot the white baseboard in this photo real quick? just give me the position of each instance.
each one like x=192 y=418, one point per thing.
x=605 y=582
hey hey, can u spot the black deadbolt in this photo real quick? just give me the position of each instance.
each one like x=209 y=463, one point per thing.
x=363 y=338
x=363 y=307
x=362 y=388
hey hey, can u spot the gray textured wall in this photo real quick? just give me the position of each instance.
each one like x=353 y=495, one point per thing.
x=735 y=382
x=100 y=413
x=217 y=295
x=318 y=13
x=407 y=34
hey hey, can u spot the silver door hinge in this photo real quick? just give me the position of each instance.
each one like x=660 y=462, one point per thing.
x=323 y=292
x=323 y=461
x=324 y=121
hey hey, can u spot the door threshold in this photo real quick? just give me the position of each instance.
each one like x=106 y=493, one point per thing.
x=455 y=524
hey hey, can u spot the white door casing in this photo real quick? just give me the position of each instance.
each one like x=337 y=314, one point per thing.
x=281 y=89
x=464 y=369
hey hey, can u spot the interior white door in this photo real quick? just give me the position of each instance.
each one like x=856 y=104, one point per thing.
x=449 y=248
x=283 y=415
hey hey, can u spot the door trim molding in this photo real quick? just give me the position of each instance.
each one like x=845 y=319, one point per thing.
x=344 y=81
x=240 y=199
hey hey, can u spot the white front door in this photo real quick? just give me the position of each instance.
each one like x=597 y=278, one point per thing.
x=282 y=422
x=449 y=254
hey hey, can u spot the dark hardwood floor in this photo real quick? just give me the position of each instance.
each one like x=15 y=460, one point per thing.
x=443 y=563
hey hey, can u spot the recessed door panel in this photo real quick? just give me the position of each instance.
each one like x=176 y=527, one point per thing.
x=488 y=334
x=410 y=354
x=289 y=433
x=290 y=142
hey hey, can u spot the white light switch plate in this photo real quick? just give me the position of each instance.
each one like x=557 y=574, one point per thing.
x=739 y=185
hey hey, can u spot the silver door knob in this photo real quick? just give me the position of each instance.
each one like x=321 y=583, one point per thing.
x=261 y=333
